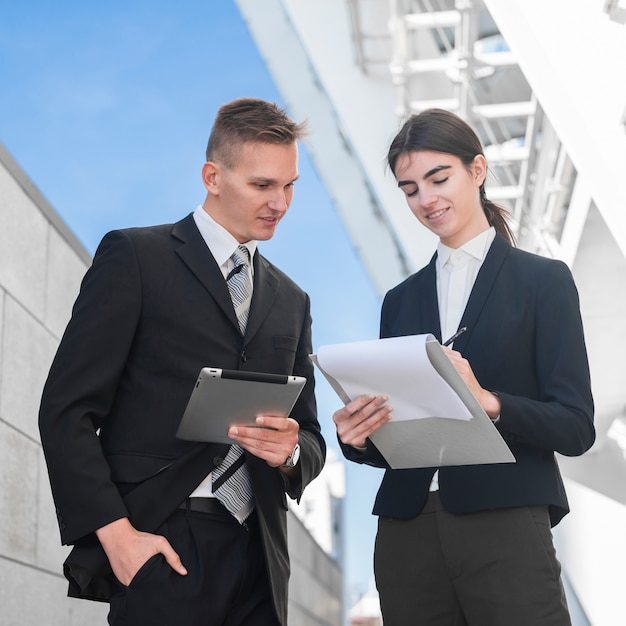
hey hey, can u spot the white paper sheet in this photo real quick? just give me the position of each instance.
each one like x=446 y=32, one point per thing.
x=398 y=367
x=436 y=420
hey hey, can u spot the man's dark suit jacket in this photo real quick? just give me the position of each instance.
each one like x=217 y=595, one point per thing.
x=153 y=309
x=525 y=343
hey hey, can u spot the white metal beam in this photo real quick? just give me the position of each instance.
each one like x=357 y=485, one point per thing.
x=580 y=87
x=352 y=115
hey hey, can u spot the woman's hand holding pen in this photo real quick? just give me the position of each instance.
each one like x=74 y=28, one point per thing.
x=489 y=401
x=360 y=418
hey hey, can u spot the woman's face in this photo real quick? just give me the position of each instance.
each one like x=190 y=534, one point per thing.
x=444 y=194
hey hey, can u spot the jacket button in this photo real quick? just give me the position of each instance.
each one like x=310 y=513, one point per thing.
x=217 y=460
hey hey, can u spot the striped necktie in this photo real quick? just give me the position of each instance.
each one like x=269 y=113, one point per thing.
x=231 y=481
x=239 y=283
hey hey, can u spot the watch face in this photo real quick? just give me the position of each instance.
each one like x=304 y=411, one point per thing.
x=292 y=459
x=295 y=455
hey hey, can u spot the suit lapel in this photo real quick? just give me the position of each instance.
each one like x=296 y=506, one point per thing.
x=428 y=304
x=485 y=281
x=194 y=252
x=266 y=283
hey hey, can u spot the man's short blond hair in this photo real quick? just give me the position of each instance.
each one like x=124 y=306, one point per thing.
x=249 y=120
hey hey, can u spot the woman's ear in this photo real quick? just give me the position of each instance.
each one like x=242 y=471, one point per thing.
x=479 y=169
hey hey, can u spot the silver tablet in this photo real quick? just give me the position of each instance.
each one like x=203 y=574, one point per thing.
x=221 y=398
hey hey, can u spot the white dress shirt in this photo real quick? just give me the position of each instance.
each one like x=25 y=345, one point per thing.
x=222 y=245
x=456 y=273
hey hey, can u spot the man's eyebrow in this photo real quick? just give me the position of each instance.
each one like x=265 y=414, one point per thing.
x=269 y=181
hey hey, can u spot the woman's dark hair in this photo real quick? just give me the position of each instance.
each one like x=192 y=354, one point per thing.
x=437 y=130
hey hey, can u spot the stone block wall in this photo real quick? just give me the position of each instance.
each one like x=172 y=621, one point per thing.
x=41 y=265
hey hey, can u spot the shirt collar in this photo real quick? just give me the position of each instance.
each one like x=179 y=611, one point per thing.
x=220 y=242
x=477 y=247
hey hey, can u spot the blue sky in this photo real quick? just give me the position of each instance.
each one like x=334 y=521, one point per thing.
x=108 y=106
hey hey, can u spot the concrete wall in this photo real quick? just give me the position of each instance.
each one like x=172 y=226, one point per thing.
x=316 y=584
x=41 y=266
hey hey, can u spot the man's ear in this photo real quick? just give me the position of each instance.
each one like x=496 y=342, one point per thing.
x=210 y=176
x=479 y=169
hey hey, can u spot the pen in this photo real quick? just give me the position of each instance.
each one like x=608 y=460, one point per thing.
x=455 y=336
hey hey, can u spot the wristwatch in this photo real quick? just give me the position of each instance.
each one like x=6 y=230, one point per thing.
x=293 y=458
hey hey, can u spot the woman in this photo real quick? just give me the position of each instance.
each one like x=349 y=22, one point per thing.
x=472 y=545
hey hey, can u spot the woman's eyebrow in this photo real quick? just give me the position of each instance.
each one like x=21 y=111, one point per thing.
x=428 y=174
x=435 y=170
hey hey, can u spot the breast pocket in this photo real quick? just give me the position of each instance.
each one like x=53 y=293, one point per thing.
x=284 y=353
x=285 y=342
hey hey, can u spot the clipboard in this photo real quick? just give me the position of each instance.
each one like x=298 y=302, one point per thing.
x=221 y=398
x=436 y=421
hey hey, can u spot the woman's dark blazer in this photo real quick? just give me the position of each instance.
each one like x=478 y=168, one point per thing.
x=153 y=310
x=525 y=343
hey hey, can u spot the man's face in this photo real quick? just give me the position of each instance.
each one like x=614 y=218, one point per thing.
x=251 y=197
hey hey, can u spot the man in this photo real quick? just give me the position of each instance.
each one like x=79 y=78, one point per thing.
x=143 y=508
